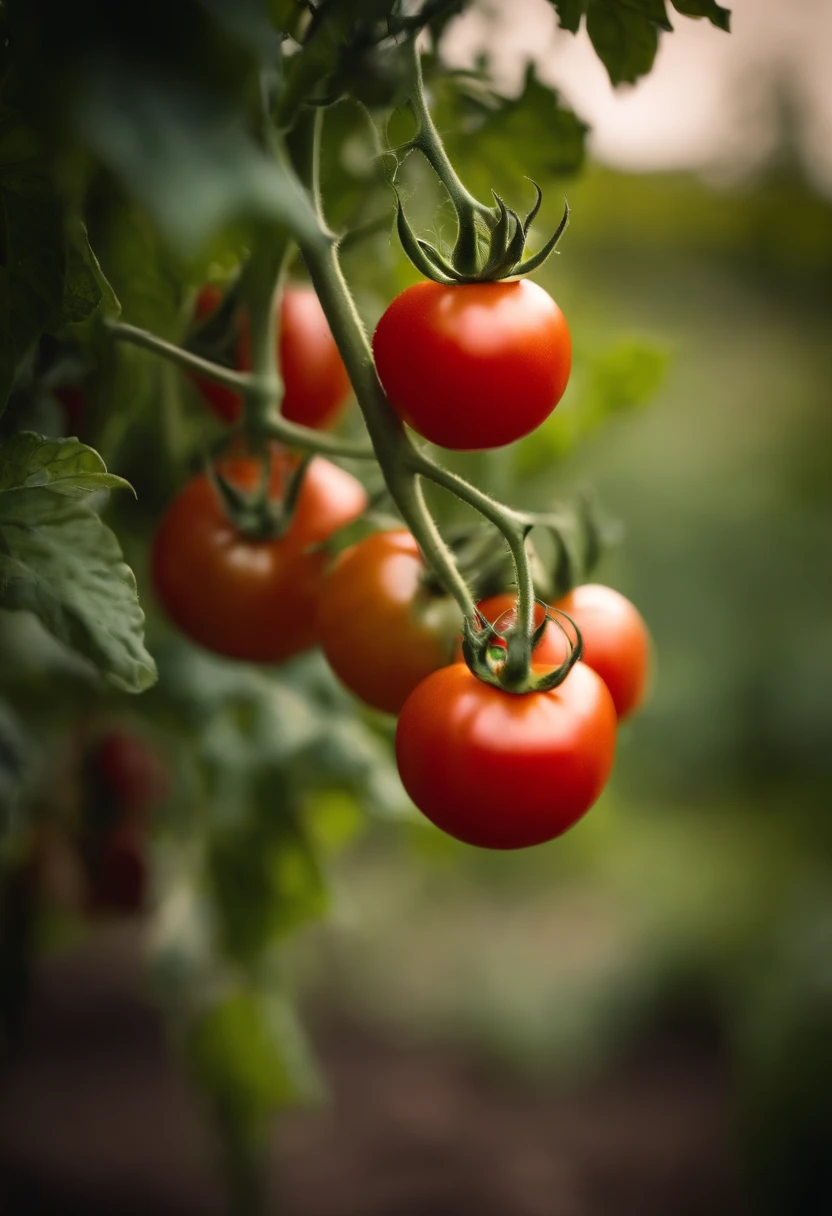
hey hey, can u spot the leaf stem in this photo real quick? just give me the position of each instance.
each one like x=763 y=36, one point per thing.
x=291 y=433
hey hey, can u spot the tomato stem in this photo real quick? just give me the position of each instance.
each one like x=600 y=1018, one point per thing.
x=275 y=426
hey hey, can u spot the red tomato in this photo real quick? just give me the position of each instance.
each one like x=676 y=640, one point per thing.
x=501 y=611
x=475 y=365
x=316 y=384
x=500 y=770
x=381 y=630
x=118 y=876
x=616 y=641
x=246 y=598
x=128 y=771
x=225 y=403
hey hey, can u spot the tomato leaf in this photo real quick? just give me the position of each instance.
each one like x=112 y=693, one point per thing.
x=33 y=261
x=186 y=155
x=59 y=561
x=625 y=33
x=248 y=1052
x=65 y=466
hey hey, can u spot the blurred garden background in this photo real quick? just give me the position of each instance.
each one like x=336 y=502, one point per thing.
x=636 y=1017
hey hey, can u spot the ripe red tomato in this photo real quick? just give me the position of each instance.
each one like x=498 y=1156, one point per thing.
x=475 y=365
x=118 y=877
x=242 y=597
x=126 y=771
x=616 y=642
x=500 y=770
x=316 y=384
x=225 y=403
x=381 y=630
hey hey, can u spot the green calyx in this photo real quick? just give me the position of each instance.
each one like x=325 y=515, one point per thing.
x=490 y=243
x=255 y=514
x=503 y=658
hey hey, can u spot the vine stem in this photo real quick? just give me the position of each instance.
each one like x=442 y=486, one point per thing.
x=403 y=465
x=274 y=425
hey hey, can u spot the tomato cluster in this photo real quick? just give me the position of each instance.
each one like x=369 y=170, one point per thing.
x=476 y=365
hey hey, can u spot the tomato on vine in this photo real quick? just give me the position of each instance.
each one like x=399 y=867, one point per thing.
x=315 y=381
x=501 y=770
x=473 y=365
x=381 y=628
x=616 y=641
x=245 y=597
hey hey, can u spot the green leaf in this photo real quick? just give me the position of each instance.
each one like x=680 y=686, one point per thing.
x=625 y=33
x=495 y=140
x=59 y=561
x=86 y=286
x=718 y=16
x=249 y=1053
x=265 y=875
x=33 y=257
x=624 y=39
x=570 y=13
x=186 y=155
x=65 y=466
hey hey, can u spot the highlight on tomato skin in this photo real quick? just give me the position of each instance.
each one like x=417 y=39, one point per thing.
x=616 y=640
x=246 y=598
x=316 y=386
x=475 y=365
x=500 y=770
x=382 y=631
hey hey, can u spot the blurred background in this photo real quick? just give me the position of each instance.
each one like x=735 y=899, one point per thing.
x=638 y=1017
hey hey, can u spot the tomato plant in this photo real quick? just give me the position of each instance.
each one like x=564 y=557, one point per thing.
x=241 y=596
x=473 y=365
x=504 y=771
x=315 y=382
x=152 y=152
x=381 y=628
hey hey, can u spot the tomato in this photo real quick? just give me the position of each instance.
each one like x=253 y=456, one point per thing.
x=316 y=384
x=501 y=610
x=225 y=403
x=616 y=642
x=249 y=598
x=126 y=771
x=381 y=630
x=474 y=365
x=501 y=770
x=117 y=875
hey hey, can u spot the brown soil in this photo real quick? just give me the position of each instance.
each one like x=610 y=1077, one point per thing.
x=96 y=1118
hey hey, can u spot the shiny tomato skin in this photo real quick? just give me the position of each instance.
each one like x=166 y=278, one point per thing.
x=380 y=630
x=474 y=365
x=316 y=384
x=616 y=641
x=250 y=599
x=500 y=770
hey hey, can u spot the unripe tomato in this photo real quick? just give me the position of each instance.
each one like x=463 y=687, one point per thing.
x=381 y=630
x=315 y=381
x=475 y=365
x=502 y=770
x=249 y=598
